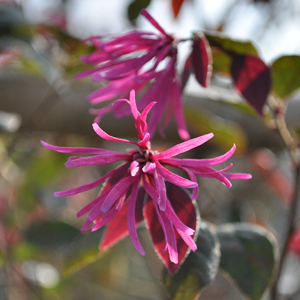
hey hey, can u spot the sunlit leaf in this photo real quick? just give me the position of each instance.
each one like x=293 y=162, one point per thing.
x=285 y=75
x=187 y=212
x=226 y=133
x=252 y=78
x=50 y=234
x=176 y=6
x=198 y=270
x=201 y=59
x=82 y=251
x=249 y=255
x=222 y=45
x=134 y=8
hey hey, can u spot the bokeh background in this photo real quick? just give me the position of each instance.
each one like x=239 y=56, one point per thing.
x=43 y=255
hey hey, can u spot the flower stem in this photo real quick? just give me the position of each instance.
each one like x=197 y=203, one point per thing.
x=293 y=148
x=290 y=230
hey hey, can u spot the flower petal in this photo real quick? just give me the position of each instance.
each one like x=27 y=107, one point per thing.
x=131 y=219
x=152 y=21
x=233 y=176
x=134 y=168
x=108 y=137
x=183 y=147
x=116 y=192
x=76 y=150
x=174 y=178
x=185 y=162
x=75 y=161
x=117 y=228
x=88 y=186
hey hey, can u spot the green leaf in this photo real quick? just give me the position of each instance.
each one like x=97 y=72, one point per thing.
x=249 y=255
x=285 y=75
x=83 y=251
x=226 y=133
x=222 y=44
x=51 y=234
x=135 y=7
x=198 y=270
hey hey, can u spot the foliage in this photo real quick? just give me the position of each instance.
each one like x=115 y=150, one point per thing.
x=39 y=233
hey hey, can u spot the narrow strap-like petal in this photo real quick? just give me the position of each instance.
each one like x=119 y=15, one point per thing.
x=131 y=218
x=171 y=215
x=193 y=177
x=187 y=239
x=109 y=215
x=76 y=150
x=184 y=146
x=186 y=162
x=75 y=161
x=108 y=137
x=116 y=192
x=152 y=21
x=233 y=176
x=171 y=239
x=153 y=193
x=88 y=186
x=174 y=178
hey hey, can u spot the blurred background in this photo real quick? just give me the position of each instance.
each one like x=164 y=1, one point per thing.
x=43 y=255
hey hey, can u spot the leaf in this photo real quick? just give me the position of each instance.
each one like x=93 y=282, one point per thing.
x=176 y=6
x=201 y=59
x=187 y=69
x=83 y=251
x=222 y=46
x=226 y=133
x=51 y=234
x=249 y=255
x=135 y=7
x=186 y=210
x=230 y=45
x=285 y=75
x=252 y=78
x=198 y=270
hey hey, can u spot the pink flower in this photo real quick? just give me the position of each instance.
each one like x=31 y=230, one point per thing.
x=131 y=61
x=143 y=187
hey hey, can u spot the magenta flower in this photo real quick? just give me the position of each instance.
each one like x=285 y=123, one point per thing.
x=143 y=188
x=131 y=61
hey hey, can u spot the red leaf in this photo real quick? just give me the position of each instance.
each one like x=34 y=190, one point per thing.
x=186 y=211
x=176 y=5
x=117 y=228
x=201 y=59
x=252 y=78
x=294 y=243
x=186 y=71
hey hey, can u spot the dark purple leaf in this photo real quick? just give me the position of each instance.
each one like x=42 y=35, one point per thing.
x=186 y=71
x=201 y=59
x=117 y=228
x=187 y=212
x=252 y=78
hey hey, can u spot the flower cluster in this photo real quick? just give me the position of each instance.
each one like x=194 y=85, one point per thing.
x=141 y=186
x=132 y=61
